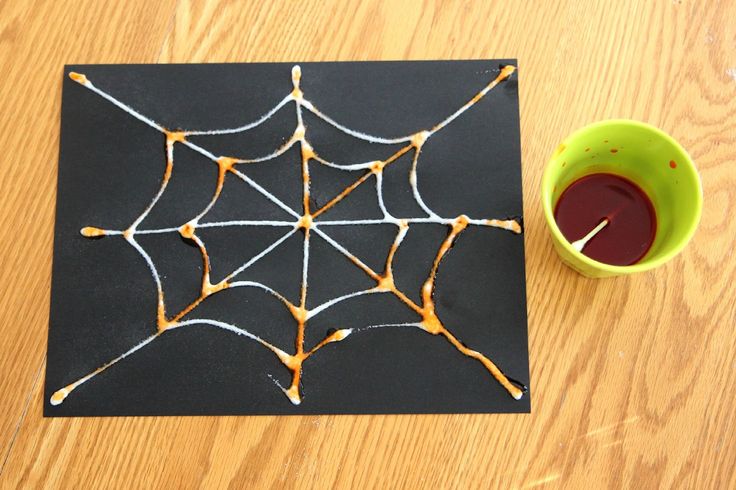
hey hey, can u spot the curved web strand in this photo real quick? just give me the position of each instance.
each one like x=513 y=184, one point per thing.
x=304 y=220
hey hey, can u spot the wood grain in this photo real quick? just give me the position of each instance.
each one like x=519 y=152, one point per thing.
x=634 y=378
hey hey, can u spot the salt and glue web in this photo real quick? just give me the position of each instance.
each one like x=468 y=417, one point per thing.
x=306 y=220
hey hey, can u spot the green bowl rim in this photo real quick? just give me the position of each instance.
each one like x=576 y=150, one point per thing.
x=688 y=166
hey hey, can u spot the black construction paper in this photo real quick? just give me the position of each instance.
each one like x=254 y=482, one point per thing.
x=104 y=298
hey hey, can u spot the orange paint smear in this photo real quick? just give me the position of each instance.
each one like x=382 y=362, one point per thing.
x=227 y=163
x=168 y=171
x=336 y=336
x=306 y=155
x=176 y=136
x=343 y=194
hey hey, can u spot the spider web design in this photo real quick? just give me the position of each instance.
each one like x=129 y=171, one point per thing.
x=306 y=221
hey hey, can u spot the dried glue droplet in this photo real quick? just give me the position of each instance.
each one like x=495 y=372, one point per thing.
x=293 y=395
x=187 y=230
x=91 y=232
x=59 y=396
x=78 y=77
x=506 y=71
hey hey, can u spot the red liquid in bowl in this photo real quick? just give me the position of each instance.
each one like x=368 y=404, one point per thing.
x=593 y=198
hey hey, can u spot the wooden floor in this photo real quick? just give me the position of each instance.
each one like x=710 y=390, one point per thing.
x=634 y=378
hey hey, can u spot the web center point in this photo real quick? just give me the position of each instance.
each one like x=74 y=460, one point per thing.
x=305 y=222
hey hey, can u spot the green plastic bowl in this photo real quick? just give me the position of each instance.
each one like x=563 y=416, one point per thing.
x=643 y=154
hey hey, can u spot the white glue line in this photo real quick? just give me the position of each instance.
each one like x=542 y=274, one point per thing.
x=263 y=253
x=267 y=194
x=245 y=127
x=330 y=303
